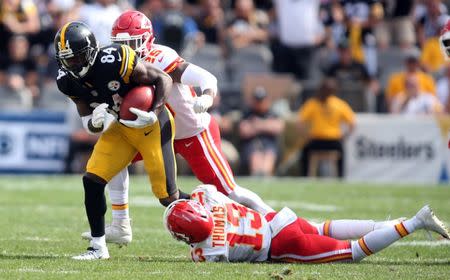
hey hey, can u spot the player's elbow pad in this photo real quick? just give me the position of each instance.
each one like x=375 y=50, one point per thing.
x=199 y=77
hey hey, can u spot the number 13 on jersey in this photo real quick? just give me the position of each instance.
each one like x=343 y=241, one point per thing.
x=237 y=214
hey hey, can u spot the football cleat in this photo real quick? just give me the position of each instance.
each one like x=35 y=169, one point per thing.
x=100 y=253
x=118 y=232
x=431 y=222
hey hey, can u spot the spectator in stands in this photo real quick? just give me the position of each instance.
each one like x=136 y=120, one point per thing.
x=150 y=8
x=226 y=124
x=247 y=27
x=321 y=119
x=397 y=81
x=431 y=58
x=259 y=131
x=363 y=17
x=354 y=81
x=210 y=21
x=443 y=90
x=18 y=74
x=398 y=26
x=17 y=17
x=334 y=21
x=414 y=101
x=60 y=12
x=430 y=22
x=100 y=16
x=300 y=32
x=175 y=29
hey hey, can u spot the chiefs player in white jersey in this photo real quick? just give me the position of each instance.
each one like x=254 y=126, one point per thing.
x=197 y=136
x=219 y=229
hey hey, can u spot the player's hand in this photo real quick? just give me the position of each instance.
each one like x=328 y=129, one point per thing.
x=99 y=115
x=143 y=118
x=202 y=103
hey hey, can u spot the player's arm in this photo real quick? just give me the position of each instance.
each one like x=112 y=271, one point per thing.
x=94 y=120
x=193 y=75
x=146 y=74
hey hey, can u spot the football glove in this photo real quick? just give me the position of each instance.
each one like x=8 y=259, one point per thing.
x=202 y=103
x=99 y=115
x=143 y=118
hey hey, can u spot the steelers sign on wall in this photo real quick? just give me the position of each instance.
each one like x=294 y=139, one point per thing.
x=400 y=149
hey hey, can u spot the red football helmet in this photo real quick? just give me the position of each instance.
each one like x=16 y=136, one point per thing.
x=134 y=29
x=444 y=40
x=188 y=221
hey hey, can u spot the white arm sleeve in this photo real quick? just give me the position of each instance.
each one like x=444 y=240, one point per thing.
x=199 y=77
x=250 y=199
x=108 y=121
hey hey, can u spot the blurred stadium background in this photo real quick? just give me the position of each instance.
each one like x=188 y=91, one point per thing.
x=269 y=61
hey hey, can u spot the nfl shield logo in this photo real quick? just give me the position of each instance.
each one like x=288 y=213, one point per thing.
x=114 y=85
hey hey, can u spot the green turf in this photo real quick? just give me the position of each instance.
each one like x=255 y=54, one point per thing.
x=41 y=219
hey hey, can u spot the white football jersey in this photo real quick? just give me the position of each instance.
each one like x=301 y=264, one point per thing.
x=240 y=234
x=181 y=99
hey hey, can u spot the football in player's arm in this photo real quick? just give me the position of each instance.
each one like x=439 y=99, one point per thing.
x=96 y=79
x=219 y=229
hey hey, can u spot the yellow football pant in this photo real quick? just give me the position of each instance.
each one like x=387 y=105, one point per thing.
x=118 y=145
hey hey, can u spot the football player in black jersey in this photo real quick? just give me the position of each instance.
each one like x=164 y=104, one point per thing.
x=96 y=79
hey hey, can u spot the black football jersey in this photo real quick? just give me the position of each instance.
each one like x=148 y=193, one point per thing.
x=107 y=81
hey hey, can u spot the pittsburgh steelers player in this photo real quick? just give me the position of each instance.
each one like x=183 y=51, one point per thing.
x=95 y=79
x=197 y=136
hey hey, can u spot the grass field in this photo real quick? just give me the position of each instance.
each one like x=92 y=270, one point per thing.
x=41 y=219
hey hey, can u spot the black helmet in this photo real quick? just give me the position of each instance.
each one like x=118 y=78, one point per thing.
x=76 y=48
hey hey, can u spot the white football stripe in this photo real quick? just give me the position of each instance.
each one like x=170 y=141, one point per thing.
x=425 y=243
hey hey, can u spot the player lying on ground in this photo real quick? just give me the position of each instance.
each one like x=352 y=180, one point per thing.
x=96 y=79
x=219 y=229
x=197 y=136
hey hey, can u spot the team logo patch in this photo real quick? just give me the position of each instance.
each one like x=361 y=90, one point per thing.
x=114 y=85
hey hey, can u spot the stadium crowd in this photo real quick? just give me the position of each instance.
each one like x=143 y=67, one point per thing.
x=269 y=57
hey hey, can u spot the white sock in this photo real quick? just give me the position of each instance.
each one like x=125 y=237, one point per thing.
x=379 y=239
x=98 y=242
x=118 y=194
x=346 y=229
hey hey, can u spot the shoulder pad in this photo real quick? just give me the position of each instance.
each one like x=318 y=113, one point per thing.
x=118 y=58
x=164 y=58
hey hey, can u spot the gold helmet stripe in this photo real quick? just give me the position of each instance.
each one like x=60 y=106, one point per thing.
x=63 y=35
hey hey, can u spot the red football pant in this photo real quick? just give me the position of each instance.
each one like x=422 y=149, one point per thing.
x=300 y=242
x=204 y=155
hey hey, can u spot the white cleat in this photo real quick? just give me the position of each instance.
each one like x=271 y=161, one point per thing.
x=118 y=232
x=431 y=222
x=100 y=253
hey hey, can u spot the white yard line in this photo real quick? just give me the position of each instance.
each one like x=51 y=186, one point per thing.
x=423 y=243
x=35 y=270
x=302 y=205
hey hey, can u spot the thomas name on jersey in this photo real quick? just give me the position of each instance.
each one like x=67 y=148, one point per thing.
x=219 y=233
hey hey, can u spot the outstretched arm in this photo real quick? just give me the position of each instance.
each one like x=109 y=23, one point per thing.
x=193 y=75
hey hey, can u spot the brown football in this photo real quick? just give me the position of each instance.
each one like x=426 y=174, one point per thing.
x=140 y=97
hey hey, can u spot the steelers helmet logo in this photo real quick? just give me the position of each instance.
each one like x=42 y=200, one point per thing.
x=114 y=85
